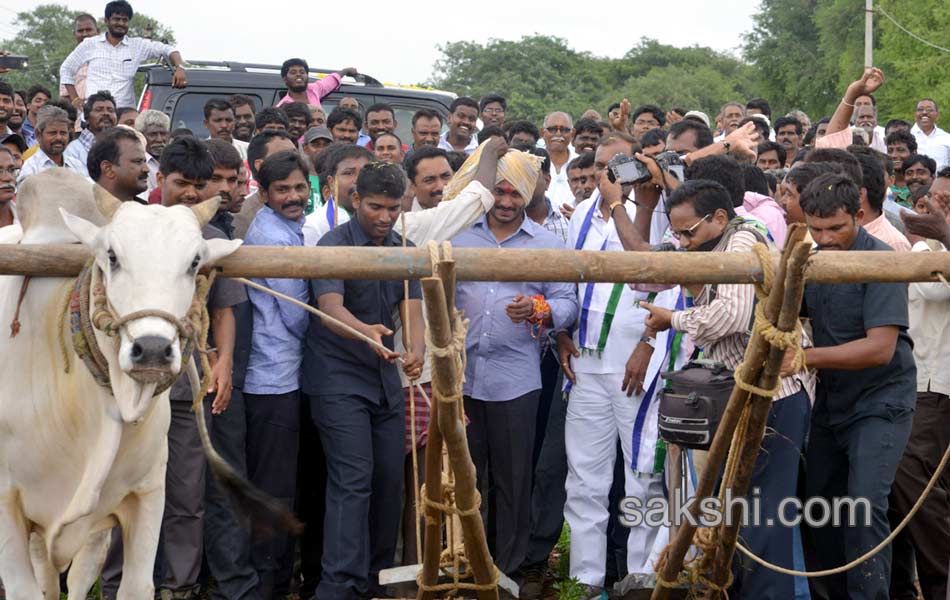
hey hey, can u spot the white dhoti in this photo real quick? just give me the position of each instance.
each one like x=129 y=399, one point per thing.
x=598 y=411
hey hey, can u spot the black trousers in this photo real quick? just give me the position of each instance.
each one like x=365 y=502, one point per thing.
x=181 y=542
x=364 y=444
x=311 y=502
x=227 y=539
x=928 y=534
x=857 y=460
x=273 y=432
x=501 y=440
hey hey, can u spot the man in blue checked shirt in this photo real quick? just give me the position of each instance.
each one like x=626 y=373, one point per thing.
x=272 y=383
x=503 y=371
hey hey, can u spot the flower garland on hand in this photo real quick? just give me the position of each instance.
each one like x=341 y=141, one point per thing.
x=542 y=312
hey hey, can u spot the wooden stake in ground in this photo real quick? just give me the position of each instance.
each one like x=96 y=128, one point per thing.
x=757 y=354
x=446 y=342
x=759 y=411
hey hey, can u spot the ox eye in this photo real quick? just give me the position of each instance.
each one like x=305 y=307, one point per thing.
x=195 y=263
x=113 y=261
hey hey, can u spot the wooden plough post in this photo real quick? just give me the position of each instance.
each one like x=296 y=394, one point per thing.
x=447 y=340
x=761 y=365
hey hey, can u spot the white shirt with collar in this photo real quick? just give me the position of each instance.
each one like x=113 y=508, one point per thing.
x=241 y=147
x=439 y=223
x=445 y=145
x=936 y=144
x=560 y=189
x=929 y=312
x=111 y=67
x=322 y=220
x=77 y=153
x=39 y=162
x=153 y=164
x=627 y=326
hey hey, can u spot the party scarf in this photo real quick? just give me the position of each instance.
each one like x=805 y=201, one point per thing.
x=611 y=307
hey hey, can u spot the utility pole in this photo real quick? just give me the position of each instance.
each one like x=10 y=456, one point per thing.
x=869 y=33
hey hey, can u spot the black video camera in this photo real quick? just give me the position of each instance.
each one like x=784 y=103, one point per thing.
x=628 y=169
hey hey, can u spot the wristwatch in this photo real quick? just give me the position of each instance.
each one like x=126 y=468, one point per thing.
x=615 y=204
x=649 y=341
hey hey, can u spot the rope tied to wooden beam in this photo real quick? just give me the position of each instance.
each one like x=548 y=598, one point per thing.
x=772 y=334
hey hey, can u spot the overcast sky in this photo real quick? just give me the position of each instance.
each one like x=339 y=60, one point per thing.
x=395 y=41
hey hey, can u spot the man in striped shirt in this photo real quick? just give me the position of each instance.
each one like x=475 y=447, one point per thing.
x=703 y=219
x=113 y=59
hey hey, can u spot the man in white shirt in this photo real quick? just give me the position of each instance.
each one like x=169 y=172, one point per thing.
x=609 y=397
x=52 y=133
x=558 y=133
x=461 y=134
x=219 y=121
x=113 y=59
x=429 y=172
x=100 y=115
x=931 y=140
x=928 y=531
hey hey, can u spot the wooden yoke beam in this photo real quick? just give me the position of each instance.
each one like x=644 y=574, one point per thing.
x=489 y=264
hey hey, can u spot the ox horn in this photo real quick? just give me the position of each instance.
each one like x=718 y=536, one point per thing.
x=206 y=210
x=106 y=202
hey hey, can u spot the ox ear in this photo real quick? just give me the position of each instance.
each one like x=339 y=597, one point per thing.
x=81 y=228
x=106 y=202
x=219 y=248
x=206 y=210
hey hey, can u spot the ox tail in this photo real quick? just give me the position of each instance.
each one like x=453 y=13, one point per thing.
x=266 y=515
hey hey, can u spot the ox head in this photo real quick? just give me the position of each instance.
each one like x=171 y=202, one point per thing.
x=149 y=257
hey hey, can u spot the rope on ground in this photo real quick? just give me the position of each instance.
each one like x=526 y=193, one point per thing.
x=870 y=553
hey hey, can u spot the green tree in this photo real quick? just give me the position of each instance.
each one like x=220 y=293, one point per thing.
x=784 y=47
x=536 y=75
x=45 y=35
x=913 y=69
x=539 y=74
x=805 y=53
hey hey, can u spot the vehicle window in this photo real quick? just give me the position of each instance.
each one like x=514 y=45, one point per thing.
x=189 y=111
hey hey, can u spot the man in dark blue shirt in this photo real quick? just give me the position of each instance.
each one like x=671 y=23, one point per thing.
x=867 y=382
x=356 y=397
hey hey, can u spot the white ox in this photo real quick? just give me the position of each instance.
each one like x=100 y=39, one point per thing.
x=77 y=458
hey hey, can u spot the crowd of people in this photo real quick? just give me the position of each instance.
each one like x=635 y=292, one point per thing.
x=561 y=380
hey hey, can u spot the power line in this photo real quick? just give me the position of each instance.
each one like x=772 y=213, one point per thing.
x=911 y=33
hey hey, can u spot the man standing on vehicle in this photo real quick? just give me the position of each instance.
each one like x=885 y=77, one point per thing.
x=295 y=73
x=113 y=59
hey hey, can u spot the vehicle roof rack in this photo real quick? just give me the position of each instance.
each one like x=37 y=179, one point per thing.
x=241 y=67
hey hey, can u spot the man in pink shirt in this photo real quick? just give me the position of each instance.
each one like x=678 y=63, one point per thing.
x=296 y=73
x=873 y=193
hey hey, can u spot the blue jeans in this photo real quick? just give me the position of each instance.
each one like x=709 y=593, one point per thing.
x=776 y=476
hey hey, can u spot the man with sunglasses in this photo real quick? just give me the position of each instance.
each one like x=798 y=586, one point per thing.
x=703 y=219
x=558 y=133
